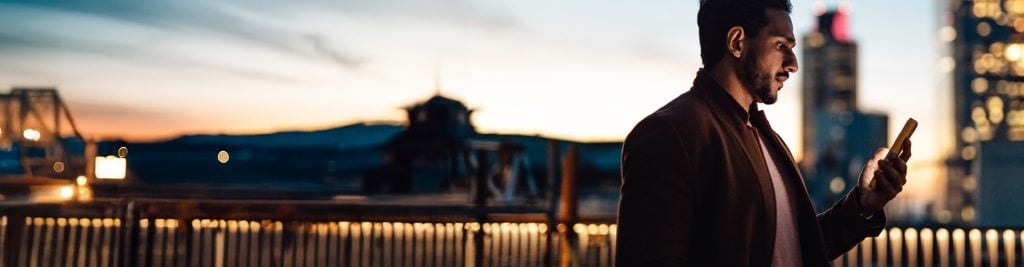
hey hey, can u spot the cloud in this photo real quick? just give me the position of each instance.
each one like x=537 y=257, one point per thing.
x=136 y=30
x=111 y=111
x=341 y=59
x=54 y=33
x=180 y=14
x=265 y=23
x=456 y=11
x=459 y=12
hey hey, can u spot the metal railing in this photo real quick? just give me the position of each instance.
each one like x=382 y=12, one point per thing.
x=319 y=234
x=940 y=246
x=188 y=233
x=65 y=242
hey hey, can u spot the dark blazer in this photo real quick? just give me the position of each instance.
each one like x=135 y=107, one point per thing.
x=696 y=190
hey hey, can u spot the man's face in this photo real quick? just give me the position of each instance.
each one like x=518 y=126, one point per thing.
x=765 y=67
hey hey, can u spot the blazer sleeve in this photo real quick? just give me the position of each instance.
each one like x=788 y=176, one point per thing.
x=843 y=227
x=656 y=205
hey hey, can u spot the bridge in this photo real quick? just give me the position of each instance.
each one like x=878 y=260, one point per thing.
x=42 y=152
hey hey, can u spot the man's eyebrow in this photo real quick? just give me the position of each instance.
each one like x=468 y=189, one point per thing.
x=789 y=37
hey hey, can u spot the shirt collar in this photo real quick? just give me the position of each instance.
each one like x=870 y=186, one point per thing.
x=705 y=85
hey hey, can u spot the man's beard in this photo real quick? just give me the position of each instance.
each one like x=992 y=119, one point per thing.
x=759 y=82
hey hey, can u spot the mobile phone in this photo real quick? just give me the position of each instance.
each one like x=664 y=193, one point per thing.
x=897 y=146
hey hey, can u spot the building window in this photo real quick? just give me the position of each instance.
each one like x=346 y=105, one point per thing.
x=979 y=85
x=984 y=29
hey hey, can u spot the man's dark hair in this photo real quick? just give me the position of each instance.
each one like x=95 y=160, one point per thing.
x=716 y=17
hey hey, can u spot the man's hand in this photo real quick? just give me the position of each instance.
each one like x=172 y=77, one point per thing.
x=891 y=172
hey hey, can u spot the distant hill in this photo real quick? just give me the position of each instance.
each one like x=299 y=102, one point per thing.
x=360 y=135
x=331 y=161
x=602 y=156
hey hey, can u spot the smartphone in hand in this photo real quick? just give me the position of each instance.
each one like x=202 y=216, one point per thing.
x=897 y=146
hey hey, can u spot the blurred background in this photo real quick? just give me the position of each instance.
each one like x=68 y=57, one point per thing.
x=476 y=109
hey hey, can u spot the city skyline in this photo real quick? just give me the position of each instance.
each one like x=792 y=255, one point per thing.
x=491 y=132
x=574 y=70
x=985 y=170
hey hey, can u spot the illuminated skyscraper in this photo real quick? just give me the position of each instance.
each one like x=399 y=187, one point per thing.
x=837 y=137
x=987 y=55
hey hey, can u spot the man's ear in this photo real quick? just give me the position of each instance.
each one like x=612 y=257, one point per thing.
x=734 y=41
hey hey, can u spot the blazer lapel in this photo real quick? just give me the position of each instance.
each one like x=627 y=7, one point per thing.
x=735 y=119
x=753 y=152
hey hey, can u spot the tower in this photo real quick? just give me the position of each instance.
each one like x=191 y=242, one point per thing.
x=837 y=136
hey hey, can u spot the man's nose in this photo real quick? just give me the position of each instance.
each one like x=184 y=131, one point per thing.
x=789 y=64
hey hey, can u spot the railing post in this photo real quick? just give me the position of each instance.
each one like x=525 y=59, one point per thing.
x=129 y=235
x=186 y=229
x=12 y=237
x=480 y=204
x=555 y=190
x=150 y=238
x=568 y=208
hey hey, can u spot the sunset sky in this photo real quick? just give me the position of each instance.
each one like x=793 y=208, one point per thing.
x=575 y=69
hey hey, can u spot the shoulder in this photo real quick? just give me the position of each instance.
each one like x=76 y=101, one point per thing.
x=685 y=117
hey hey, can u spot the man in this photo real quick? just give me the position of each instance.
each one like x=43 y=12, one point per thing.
x=707 y=182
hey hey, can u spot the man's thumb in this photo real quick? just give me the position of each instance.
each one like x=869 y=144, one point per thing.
x=880 y=154
x=869 y=167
